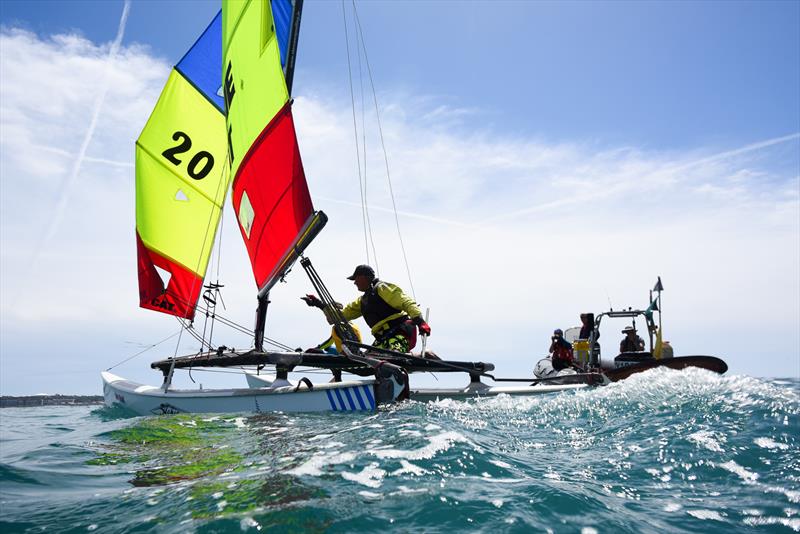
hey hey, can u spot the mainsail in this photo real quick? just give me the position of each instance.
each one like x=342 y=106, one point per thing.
x=181 y=180
x=270 y=193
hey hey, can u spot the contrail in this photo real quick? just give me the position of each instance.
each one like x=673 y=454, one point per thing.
x=615 y=189
x=403 y=213
x=747 y=148
x=68 y=154
x=63 y=189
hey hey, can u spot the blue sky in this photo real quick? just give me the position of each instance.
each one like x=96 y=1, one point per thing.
x=548 y=157
x=668 y=74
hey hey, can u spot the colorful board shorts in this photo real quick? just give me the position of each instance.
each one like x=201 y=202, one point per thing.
x=397 y=342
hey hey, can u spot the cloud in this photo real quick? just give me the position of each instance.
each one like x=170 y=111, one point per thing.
x=507 y=237
x=63 y=190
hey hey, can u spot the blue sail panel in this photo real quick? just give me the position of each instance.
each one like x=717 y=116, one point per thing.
x=203 y=62
x=282 y=11
x=286 y=17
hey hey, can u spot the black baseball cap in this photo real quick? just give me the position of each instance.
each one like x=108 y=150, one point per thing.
x=362 y=269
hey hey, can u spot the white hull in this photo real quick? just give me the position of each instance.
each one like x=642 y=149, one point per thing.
x=473 y=390
x=483 y=390
x=149 y=400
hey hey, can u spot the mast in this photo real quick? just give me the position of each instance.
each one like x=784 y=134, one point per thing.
x=270 y=193
x=294 y=35
x=261 y=320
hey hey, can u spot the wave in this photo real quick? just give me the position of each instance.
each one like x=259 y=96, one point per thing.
x=662 y=451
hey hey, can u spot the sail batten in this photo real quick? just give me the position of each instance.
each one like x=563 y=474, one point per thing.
x=218 y=200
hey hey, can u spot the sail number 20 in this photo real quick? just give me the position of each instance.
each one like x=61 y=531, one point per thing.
x=200 y=164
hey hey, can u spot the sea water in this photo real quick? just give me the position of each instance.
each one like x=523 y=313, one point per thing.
x=663 y=451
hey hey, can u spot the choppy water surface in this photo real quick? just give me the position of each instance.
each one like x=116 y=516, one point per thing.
x=664 y=451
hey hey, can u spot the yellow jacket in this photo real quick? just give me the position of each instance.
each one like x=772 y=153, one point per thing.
x=391 y=295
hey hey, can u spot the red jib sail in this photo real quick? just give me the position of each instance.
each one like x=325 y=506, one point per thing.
x=270 y=194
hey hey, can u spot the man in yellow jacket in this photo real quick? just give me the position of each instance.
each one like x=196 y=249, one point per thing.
x=390 y=313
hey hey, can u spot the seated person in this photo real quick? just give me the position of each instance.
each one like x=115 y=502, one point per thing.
x=333 y=345
x=631 y=342
x=587 y=327
x=561 y=350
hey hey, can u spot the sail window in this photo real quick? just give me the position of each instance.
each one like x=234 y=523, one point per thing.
x=164 y=274
x=180 y=195
x=246 y=214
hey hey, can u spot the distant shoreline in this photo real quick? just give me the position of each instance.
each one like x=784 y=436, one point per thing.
x=49 y=400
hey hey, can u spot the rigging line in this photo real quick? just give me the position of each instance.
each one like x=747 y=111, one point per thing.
x=224 y=320
x=209 y=227
x=190 y=328
x=144 y=350
x=219 y=233
x=180 y=335
x=364 y=150
x=217 y=292
x=235 y=326
x=355 y=130
x=385 y=155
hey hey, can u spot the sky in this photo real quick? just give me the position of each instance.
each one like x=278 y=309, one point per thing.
x=547 y=159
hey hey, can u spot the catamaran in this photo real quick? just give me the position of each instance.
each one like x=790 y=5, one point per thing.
x=225 y=115
x=199 y=135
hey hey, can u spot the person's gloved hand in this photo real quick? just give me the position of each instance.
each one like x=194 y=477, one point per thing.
x=424 y=328
x=312 y=301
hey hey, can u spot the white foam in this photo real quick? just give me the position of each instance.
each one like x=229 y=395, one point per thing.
x=706 y=514
x=708 y=440
x=768 y=443
x=440 y=442
x=371 y=476
x=792 y=495
x=240 y=422
x=672 y=507
x=499 y=463
x=406 y=490
x=411 y=469
x=743 y=473
x=248 y=522
x=792 y=523
x=312 y=466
